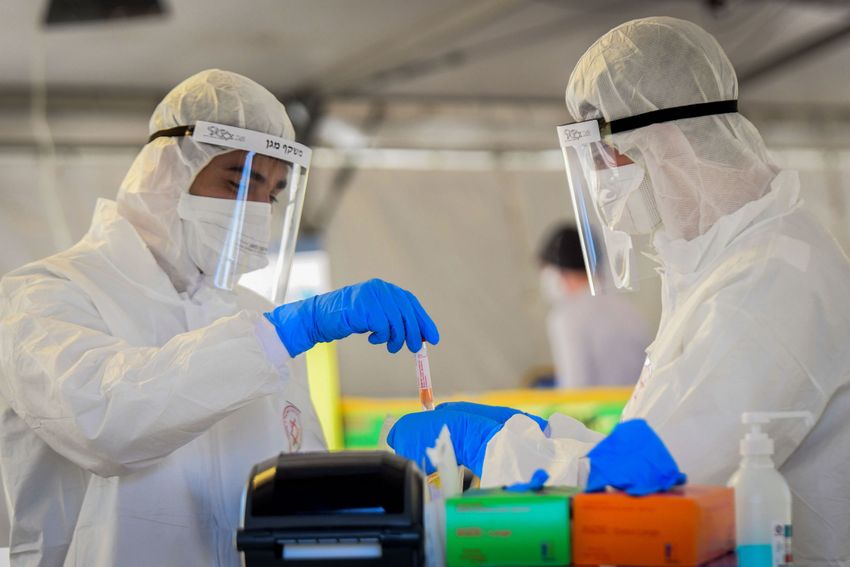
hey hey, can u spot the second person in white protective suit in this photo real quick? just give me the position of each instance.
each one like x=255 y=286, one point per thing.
x=755 y=310
x=139 y=383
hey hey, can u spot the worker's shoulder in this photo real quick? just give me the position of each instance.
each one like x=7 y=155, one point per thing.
x=804 y=256
x=790 y=250
x=53 y=271
x=249 y=299
x=792 y=276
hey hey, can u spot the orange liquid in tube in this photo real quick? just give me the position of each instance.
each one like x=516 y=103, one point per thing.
x=423 y=375
x=426 y=398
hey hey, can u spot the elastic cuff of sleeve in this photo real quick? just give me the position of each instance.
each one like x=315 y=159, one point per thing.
x=271 y=343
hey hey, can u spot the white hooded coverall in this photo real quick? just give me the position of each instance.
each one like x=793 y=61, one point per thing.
x=135 y=397
x=755 y=309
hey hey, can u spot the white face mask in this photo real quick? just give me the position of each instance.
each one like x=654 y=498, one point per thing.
x=206 y=224
x=551 y=284
x=626 y=200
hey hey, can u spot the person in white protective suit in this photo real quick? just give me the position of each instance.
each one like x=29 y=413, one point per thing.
x=755 y=315
x=594 y=341
x=139 y=383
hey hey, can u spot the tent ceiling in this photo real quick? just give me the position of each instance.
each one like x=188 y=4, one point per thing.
x=519 y=49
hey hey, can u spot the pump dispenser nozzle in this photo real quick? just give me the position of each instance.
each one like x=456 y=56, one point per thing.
x=756 y=442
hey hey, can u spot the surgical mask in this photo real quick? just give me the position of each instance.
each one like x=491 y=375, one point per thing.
x=551 y=284
x=207 y=222
x=626 y=199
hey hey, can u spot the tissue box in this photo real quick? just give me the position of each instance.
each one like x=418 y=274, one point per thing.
x=491 y=527
x=689 y=525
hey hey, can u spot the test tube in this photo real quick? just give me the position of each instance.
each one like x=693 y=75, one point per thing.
x=423 y=374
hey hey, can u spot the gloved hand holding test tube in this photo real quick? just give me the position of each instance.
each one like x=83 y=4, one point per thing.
x=423 y=374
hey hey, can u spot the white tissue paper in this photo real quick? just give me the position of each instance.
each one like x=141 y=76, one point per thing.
x=520 y=448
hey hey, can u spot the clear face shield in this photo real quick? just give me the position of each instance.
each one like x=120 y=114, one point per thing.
x=242 y=212
x=612 y=196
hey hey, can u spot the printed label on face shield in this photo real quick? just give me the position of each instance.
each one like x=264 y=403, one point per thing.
x=251 y=141
x=578 y=134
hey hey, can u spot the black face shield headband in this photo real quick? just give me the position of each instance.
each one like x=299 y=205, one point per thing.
x=666 y=115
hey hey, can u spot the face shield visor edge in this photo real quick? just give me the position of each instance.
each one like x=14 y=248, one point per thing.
x=612 y=197
x=243 y=215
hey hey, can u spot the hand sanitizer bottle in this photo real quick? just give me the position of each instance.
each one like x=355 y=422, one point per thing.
x=762 y=497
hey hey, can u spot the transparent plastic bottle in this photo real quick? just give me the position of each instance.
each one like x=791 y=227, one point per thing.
x=762 y=498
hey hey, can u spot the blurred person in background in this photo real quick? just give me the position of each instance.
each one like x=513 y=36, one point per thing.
x=594 y=341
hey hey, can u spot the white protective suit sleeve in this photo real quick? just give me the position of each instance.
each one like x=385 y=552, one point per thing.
x=271 y=342
x=110 y=407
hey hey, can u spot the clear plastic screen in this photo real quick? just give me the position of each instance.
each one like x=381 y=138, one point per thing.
x=252 y=197
x=601 y=182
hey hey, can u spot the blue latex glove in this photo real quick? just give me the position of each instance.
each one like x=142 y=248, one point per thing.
x=496 y=413
x=414 y=432
x=392 y=315
x=634 y=459
x=538 y=479
x=470 y=425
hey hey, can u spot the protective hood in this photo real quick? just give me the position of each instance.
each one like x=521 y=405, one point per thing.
x=699 y=169
x=166 y=167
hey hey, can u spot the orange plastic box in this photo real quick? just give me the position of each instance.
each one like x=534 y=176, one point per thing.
x=686 y=526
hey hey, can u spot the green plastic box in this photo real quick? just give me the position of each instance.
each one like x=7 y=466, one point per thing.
x=495 y=527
